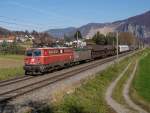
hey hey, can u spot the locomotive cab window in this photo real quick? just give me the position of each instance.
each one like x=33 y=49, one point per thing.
x=29 y=53
x=37 y=52
x=33 y=53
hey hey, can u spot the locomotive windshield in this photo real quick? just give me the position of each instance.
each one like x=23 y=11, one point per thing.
x=33 y=52
x=29 y=53
x=37 y=52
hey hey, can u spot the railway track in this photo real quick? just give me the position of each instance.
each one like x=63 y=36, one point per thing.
x=13 y=93
x=14 y=80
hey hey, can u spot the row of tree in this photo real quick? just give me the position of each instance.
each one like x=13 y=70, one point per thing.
x=124 y=38
x=42 y=39
x=11 y=48
x=75 y=36
x=108 y=39
x=100 y=39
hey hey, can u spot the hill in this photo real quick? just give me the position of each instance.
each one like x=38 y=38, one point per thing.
x=139 y=25
x=4 y=31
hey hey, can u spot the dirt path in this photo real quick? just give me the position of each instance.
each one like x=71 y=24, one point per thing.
x=119 y=108
x=108 y=96
x=126 y=92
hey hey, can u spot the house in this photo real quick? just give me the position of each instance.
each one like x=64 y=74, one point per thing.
x=9 y=39
x=23 y=38
x=75 y=43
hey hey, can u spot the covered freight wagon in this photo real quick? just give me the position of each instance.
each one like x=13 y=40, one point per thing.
x=123 y=48
x=82 y=54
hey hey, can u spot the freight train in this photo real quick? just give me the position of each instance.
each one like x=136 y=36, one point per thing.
x=41 y=60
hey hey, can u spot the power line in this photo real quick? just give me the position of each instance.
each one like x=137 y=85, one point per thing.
x=20 y=24
x=39 y=26
x=23 y=26
x=44 y=12
x=13 y=28
x=28 y=25
x=37 y=9
x=52 y=15
x=16 y=20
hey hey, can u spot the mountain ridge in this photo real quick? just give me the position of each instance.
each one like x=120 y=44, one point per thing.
x=139 y=25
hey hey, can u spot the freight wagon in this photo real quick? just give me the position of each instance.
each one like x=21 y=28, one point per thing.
x=82 y=54
x=100 y=51
x=123 y=48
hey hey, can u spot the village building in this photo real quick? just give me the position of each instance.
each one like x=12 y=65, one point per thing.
x=9 y=39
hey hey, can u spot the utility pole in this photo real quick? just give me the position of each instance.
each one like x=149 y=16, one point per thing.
x=135 y=43
x=117 y=46
x=77 y=39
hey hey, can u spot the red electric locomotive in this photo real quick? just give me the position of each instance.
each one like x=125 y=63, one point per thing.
x=44 y=59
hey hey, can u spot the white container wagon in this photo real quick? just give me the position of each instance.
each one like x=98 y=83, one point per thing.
x=123 y=48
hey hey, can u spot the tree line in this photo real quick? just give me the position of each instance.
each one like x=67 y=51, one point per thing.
x=40 y=39
x=11 y=48
x=124 y=38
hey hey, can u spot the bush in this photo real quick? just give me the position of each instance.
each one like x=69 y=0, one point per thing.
x=11 y=48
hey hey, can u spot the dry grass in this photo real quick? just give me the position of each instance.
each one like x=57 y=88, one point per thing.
x=11 y=66
x=9 y=63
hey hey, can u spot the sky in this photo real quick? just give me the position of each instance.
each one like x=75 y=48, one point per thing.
x=41 y=15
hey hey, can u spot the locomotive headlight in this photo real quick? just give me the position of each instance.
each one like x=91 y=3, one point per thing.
x=33 y=61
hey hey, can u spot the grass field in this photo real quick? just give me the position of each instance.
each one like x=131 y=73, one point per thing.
x=12 y=57
x=10 y=66
x=141 y=85
x=117 y=94
x=89 y=98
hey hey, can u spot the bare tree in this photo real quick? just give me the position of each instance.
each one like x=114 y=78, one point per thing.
x=42 y=39
x=127 y=38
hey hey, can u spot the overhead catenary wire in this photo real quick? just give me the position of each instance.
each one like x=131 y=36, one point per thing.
x=51 y=15
x=16 y=20
x=41 y=11
x=12 y=27
x=25 y=23
x=14 y=23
